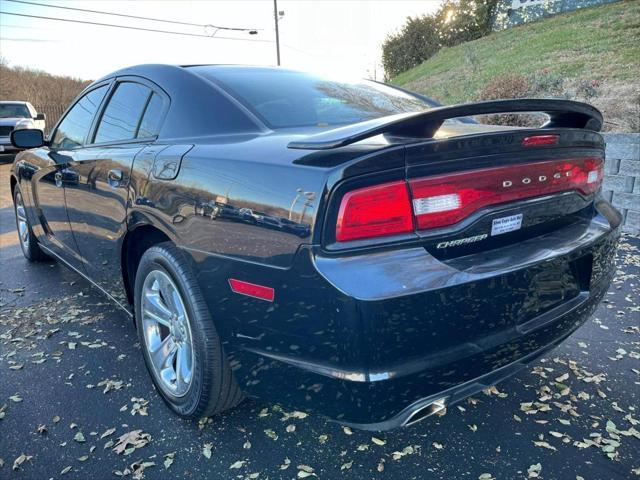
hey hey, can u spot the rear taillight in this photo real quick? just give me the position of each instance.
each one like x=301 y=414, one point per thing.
x=447 y=199
x=444 y=200
x=374 y=212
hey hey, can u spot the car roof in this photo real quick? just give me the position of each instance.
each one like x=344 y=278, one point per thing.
x=241 y=67
x=187 y=116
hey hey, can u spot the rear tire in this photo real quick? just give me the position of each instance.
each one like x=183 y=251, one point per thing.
x=171 y=314
x=28 y=242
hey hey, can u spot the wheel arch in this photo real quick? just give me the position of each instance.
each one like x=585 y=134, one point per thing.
x=138 y=240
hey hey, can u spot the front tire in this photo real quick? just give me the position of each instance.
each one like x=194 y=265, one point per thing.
x=181 y=347
x=28 y=242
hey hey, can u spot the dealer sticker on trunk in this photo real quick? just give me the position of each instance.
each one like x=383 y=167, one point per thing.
x=506 y=224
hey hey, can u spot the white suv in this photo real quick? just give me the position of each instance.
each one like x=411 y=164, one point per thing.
x=15 y=116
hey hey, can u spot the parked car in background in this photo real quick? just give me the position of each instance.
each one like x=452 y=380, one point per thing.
x=346 y=248
x=15 y=115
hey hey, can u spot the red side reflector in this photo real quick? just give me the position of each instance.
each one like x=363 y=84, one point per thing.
x=375 y=212
x=537 y=140
x=252 y=290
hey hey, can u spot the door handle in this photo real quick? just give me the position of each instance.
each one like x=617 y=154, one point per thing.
x=114 y=177
x=58 y=179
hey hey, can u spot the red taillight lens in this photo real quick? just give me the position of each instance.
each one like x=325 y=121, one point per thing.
x=447 y=199
x=444 y=200
x=537 y=140
x=374 y=212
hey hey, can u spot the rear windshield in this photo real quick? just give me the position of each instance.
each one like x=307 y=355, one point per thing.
x=14 y=110
x=284 y=98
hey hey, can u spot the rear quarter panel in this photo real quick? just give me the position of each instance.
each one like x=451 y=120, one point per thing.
x=254 y=209
x=237 y=210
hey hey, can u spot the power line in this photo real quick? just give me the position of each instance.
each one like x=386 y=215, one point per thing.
x=175 y=22
x=35 y=40
x=27 y=27
x=127 y=27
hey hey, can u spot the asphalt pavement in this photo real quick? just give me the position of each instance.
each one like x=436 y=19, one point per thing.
x=76 y=401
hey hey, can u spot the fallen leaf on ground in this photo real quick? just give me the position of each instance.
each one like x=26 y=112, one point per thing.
x=129 y=441
x=378 y=441
x=168 y=459
x=206 y=449
x=20 y=460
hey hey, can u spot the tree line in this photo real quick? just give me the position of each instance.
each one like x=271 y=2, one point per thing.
x=455 y=22
x=49 y=94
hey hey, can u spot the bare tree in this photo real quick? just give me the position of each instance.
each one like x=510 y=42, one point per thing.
x=49 y=94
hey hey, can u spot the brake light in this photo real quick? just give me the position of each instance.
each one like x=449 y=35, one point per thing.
x=537 y=140
x=440 y=201
x=447 y=199
x=374 y=212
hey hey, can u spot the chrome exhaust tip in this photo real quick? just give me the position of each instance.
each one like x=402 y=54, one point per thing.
x=436 y=407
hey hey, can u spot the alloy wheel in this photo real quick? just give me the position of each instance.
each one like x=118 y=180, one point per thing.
x=21 y=219
x=167 y=333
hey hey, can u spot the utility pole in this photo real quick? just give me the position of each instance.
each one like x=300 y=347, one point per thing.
x=275 y=17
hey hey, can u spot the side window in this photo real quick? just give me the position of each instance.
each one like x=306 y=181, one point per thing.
x=151 y=120
x=121 y=118
x=73 y=130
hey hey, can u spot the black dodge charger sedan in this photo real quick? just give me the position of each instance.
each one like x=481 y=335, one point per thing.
x=348 y=248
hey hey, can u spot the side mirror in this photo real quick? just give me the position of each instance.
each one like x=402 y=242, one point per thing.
x=27 y=138
x=40 y=116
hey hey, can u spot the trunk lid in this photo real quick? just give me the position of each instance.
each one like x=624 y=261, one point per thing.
x=454 y=186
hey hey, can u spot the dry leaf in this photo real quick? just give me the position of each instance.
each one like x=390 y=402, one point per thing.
x=168 y=459
x=20 y=460
x=206 y=449
x=346 y=466
x=129 y=441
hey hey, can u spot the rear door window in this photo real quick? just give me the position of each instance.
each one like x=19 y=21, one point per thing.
x=123 y=114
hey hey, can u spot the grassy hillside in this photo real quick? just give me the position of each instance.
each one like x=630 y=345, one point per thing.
x=601 y=44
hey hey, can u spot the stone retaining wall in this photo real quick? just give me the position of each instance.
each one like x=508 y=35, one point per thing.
x=622 y=177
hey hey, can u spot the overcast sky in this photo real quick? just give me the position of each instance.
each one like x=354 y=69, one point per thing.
x=331 y=35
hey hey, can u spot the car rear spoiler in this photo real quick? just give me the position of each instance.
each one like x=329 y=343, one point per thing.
x=561 y=113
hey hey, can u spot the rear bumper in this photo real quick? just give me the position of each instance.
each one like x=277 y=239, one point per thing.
x=370 y=339
x=418 y=410
x=492 y=364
